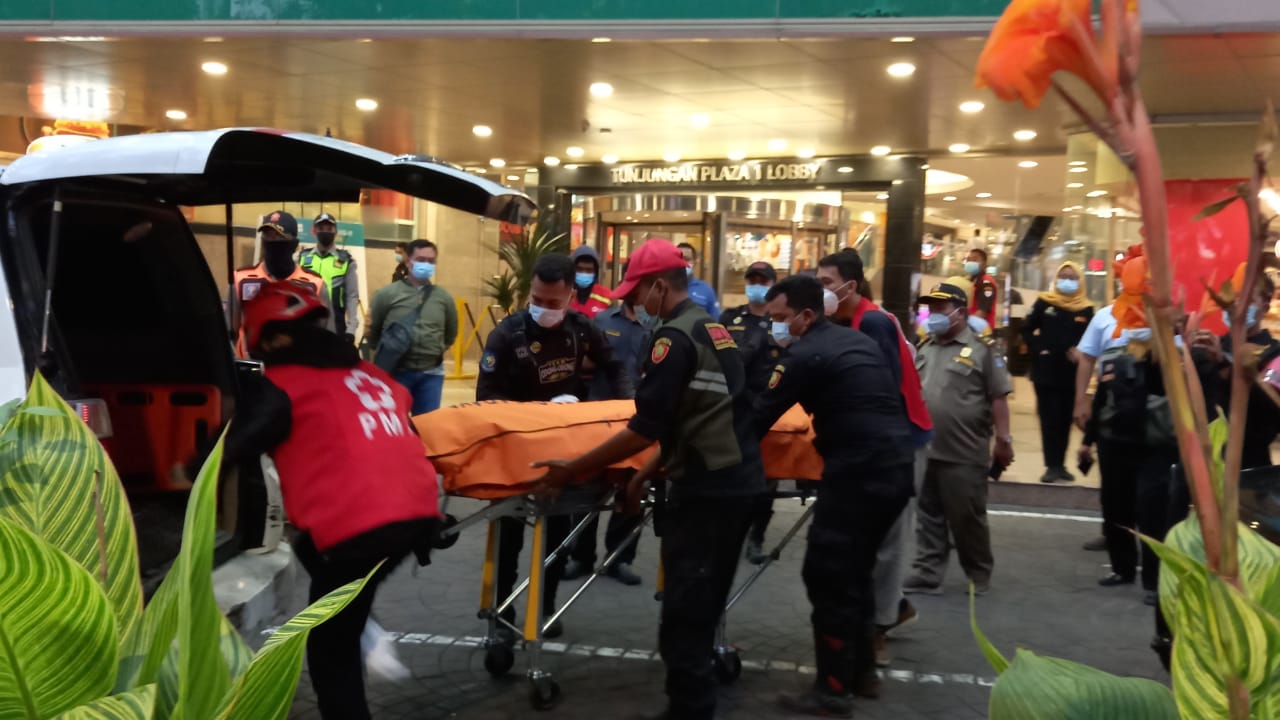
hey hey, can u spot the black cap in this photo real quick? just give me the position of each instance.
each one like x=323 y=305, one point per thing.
x=951 y=290
x=324 y=217
x=762 y=269
x=282 y=222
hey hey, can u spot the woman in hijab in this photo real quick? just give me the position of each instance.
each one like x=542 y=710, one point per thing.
x=1052 y=329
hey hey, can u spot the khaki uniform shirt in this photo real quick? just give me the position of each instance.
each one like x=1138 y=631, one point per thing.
x=961 y=377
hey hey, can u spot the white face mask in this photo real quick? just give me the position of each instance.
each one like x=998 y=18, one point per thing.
x=546 y=317
x=831 y=299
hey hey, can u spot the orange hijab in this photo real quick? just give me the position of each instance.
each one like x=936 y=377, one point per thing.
x=1128 y=309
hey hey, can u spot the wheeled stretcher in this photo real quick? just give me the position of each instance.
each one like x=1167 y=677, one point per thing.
x=483 y=451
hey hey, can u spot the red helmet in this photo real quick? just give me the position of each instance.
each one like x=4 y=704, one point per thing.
x=279 y=302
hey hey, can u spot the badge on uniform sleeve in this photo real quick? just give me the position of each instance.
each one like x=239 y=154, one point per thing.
x=488 y=362
x=720 y=337
x=249 y=291
x=737 y=320
x=661 y=347
x=776 y=377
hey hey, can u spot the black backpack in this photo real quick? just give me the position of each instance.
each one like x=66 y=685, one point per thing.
x=1134 y=407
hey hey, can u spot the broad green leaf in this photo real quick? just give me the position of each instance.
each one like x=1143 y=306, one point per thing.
x=1219 y=633
x=234 y=650
x=57 y=633
x=1259 y=562
x=1219 y=430
x=1041 y=688
x=994 y=658
x=148 y=645
x=202 y=672
x=265 y=691
x=57 y=482
x=8 y=409
x=133 y=705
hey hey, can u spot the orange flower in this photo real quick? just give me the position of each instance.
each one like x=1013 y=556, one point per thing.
x=1033 y=40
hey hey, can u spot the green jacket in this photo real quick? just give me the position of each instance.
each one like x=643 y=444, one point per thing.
x=434 y=332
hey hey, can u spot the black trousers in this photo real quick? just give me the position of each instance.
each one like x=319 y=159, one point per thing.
x=615 y=533
x=1154 y=490
x=333 y=647
x=762 y=514
x=511 y=542
x=1135 y=494
x=1055 y=405
x=849 y=524
x=701 y=541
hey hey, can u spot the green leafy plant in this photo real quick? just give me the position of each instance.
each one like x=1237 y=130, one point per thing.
x=72 y=596
x=502 y=288
x=520 y=255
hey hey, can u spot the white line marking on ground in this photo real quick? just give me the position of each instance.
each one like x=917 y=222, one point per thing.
x=555 y=648
x=1045 y=516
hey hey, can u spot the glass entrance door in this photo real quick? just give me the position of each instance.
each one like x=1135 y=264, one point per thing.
x=617 y=240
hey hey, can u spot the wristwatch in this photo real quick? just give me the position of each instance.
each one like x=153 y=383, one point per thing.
x=1005 y=439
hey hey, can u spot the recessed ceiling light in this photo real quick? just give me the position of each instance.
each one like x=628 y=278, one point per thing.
x=777 y=145
x=213 y=39
x=984 y=195
x=700 y=120
x=902 y=39
x=609 y=159
x=949 y=198
x=1095 y=193
x=1024 y=135
x=959 y=147
x=214 y=68
x=901 y=70
x=481 y=130
x=366 y=104
x=1067 y=209
x=175 y=114
x=477 y=170
x=601 y=89
x=498 y=162
x=736 y=155
x=1028 y=164
x=882 y=196
x=573 y=151
x=881 y=150
x=1075 y=185
x=1079 y=170
x=574 y=166
x=1078 y=163
x=551 y=161
x=513 y=177
x=671 y=156
x=805 y=152
x=365 y=40
x=601 y=40
x=844 y=169
x=972 y=106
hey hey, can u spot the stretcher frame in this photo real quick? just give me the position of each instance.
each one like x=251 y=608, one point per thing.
x=587 y=500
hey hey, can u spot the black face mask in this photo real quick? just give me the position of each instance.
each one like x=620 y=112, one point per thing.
x=326 y=238
x=278 y=257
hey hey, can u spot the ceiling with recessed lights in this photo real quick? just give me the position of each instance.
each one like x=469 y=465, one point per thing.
x=502 y=106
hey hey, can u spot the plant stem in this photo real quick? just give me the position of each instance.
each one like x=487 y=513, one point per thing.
x=1237 y=699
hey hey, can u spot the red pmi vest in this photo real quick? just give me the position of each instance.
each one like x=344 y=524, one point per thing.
x=598 y=300
x=353 y=462
x=912 y=393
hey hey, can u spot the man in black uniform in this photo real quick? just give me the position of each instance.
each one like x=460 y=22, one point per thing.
x=692 y=401
x=749 y=325
x=545 y=353
x=839 y=375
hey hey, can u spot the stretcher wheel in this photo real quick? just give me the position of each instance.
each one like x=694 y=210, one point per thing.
x=544 y=694
x=728 y=666
x=444 y=542
x=498 y=659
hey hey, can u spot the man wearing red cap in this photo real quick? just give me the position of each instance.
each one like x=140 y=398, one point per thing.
x=692 y=402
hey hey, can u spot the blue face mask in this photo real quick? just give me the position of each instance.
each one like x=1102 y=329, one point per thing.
x=423 y=270
x=756 y=293
x=1250 y=317
x=688 y=271
x=584 y=280
x=643 y=317
x=972 y=268
x=781 y=333
x=1067 y=286
x=937 y=323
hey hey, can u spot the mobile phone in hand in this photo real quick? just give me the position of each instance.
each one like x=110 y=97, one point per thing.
x=1086 y=464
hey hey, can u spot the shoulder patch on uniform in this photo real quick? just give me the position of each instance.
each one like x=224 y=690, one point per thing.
x=249 y=289
x=999 y=361
x=776 y=376
x=488 y=361
x=966 y=352
x=661 y=347
x=720 y=337
x=737 y=320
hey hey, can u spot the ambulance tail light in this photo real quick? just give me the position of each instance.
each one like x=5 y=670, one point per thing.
x=94 y=414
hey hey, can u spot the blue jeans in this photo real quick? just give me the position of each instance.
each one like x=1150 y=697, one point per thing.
x=426 y=389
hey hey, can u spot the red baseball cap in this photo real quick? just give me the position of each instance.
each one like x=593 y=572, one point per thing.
x=653 y=257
